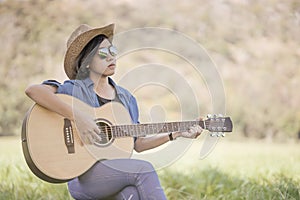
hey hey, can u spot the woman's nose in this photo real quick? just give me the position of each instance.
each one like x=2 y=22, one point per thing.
x=109 y=57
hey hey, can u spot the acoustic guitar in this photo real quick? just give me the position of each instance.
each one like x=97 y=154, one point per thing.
x=54 y=151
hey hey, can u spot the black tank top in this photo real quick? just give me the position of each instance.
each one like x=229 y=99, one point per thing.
x=103 y=101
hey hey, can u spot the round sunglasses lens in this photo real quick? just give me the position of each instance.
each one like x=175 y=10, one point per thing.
x=113 y=50
x=103 y=53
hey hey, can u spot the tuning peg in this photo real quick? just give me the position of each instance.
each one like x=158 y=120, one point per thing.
x=209 y=116
x=220 y=115
x=213 y=134
x=217 y=134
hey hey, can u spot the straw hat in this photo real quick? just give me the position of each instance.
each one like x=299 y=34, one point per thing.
x=78 y=40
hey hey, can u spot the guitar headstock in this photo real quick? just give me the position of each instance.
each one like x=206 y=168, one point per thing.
x=218 y=125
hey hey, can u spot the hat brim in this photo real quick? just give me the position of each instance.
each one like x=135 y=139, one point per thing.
x=78 y=45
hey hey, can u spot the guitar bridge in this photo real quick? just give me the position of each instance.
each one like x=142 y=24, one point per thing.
x=68 y=136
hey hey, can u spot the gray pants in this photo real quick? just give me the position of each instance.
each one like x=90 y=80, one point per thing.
x=121 y=179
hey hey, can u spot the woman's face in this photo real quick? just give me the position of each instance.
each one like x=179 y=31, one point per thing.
x=103 y=65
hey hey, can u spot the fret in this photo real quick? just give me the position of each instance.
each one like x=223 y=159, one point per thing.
x=185 y=126
x=176 y=126
x=125 y=130
x=134 y=128
x=119 y=132
x=160 y=128
x=169 y=127
x=165 y=128
x=172 y=124
x=136 y=131
x=181 y=126
x=142 y=129
x=155 y=128
x=131 y=130
x=116 y=131
x=138 y=128
x=195 y=123
x=148 y=129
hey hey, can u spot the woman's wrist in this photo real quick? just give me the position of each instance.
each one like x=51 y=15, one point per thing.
x=174 y=135
x=171 y=136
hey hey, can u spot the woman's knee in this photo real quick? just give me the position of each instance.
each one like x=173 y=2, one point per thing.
x=145 y=167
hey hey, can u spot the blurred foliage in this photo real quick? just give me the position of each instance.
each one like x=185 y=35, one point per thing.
x=255 y=45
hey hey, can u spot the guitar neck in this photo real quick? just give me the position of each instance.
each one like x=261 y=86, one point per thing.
x=139 y=130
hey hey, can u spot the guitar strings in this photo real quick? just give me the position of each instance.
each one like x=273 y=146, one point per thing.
x=123 y=130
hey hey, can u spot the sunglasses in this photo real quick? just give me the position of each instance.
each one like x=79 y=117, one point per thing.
x=103 y=52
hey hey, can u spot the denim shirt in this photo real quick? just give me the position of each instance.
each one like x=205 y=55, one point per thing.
x=84 y=90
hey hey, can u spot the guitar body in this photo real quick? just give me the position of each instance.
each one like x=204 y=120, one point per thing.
x=52 y=146
x=54 y=151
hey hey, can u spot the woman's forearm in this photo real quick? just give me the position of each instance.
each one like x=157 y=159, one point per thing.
x=146 y=143
x=44 y=95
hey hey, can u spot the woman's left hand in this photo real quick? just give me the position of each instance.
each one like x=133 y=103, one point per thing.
x=193 y=132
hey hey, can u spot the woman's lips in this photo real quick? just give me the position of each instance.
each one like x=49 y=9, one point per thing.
x=112 y=66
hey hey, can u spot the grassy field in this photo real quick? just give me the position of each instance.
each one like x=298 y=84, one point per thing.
x=234 y=170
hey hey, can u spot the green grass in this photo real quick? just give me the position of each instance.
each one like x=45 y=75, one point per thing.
x=17 y=181
x=234 y=170
x=214 y=184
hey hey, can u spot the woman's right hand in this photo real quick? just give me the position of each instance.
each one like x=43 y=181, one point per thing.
x=86 y=126
x=44 y=95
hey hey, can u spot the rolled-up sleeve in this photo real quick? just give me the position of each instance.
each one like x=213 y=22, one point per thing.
x=52 y=83
x=66 y=88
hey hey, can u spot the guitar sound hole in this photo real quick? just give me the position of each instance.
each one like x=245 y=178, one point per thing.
x=105 y=136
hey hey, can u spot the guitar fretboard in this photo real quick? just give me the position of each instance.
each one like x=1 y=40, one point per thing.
x=138 y=130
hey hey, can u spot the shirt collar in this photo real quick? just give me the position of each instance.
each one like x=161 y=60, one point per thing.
x=88 y=82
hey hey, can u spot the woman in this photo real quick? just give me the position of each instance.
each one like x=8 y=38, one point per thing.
x=89 y=62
